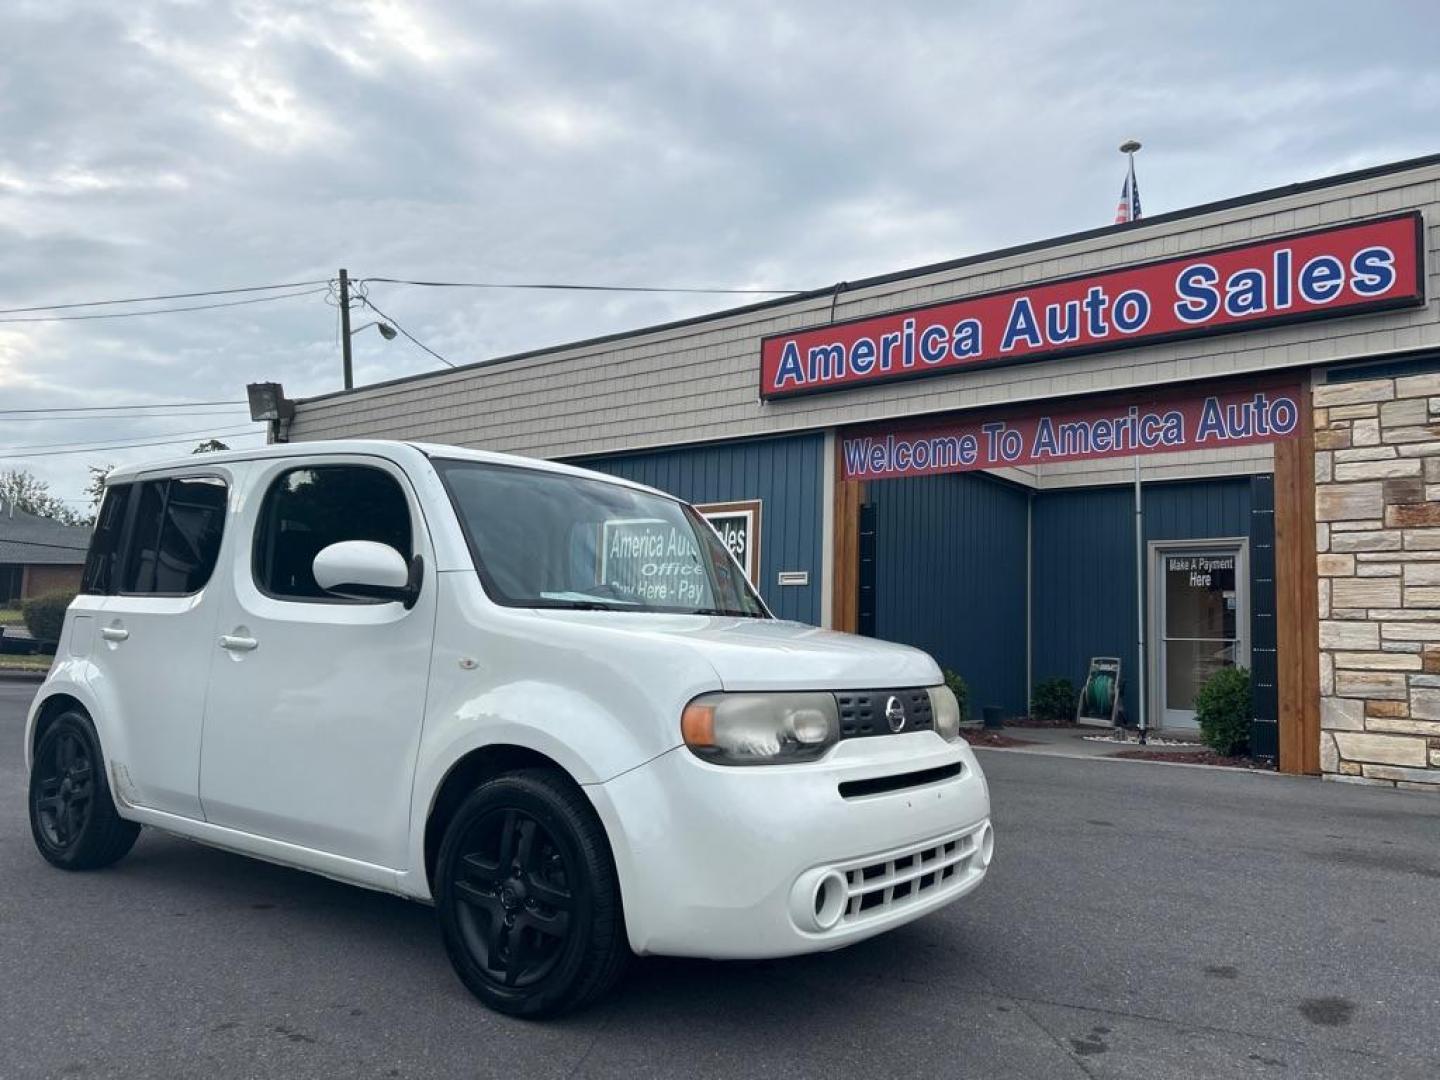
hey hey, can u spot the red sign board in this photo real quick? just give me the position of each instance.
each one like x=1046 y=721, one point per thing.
x=1148 y=423
x=1342 y=270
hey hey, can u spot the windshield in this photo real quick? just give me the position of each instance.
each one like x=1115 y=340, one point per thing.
x=544 y=539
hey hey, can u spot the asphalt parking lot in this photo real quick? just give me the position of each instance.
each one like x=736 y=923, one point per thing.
x=1140 y=921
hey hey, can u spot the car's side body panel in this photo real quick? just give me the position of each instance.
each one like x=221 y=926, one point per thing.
x=296 y=856
x=311 y=732
x=150 y=660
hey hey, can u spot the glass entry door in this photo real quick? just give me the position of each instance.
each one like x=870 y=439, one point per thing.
x=1202 y=618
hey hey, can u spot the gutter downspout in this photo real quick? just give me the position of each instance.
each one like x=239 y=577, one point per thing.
x=1139 y=606
x=1029 y=601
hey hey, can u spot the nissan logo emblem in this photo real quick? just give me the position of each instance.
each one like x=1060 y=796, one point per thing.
x=895 y=714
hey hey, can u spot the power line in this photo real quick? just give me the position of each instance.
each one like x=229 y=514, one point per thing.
x=113 y=416
x=154 y=435
x=118 y=446
x=166 y=296
x=579 y=288
x=6 y=451
x=163 y=311
x=98 y=408
x=562 y=286
x=366 y=301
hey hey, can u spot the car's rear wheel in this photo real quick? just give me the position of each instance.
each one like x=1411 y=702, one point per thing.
x=528 y=900
x=72 y=816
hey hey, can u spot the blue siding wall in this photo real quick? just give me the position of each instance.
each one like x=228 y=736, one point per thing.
x=1084 y=565
x=784 y=474
x=950 y=578
x=1084 y=583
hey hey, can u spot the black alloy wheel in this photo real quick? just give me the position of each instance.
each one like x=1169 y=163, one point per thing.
x=515 y=897
x=66 y=784
x=527 y=896
x=72 y=816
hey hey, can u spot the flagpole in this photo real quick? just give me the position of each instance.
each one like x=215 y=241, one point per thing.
x=1128 y=148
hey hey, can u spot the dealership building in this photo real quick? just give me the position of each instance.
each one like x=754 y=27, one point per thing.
x=953 y=456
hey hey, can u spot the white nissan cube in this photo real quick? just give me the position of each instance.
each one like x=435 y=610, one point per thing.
x=543 y=699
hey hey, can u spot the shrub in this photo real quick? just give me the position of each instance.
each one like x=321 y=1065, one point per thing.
x=45 y=615
x=1054 y=701
x=1223 y=708
x=961 y=691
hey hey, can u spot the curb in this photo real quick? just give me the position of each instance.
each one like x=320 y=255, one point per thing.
x=18 y=676
x=1134 y=761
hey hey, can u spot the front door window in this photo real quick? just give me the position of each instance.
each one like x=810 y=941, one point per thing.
x=1202 y=620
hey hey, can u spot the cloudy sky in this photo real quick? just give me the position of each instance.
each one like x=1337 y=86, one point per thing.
x=151 y=148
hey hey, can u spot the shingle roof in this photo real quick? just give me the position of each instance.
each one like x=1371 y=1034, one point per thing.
x=25 y=538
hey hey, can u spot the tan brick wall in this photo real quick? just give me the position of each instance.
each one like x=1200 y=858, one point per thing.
x=1377 y=513
x=40 y=580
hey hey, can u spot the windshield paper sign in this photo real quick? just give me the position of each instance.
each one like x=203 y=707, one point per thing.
x=1122 y=428
x=1338 y=271
x=652 y=561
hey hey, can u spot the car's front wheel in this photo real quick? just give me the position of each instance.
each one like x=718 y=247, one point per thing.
x=527 y=895
x=72 y=816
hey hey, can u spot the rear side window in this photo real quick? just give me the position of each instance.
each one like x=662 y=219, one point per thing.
x=175 y=538
x=139 y=575
x=98 y=578
x=309 y=509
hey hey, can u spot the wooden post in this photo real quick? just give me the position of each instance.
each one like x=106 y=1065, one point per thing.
x=1297 y=600
x=845 y=600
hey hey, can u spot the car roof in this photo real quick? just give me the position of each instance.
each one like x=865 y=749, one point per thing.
x=386 y=448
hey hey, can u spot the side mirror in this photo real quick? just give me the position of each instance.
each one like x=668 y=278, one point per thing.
x=366 y=570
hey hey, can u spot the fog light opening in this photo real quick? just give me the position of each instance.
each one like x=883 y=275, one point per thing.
x=830 y=898
x=987 y=844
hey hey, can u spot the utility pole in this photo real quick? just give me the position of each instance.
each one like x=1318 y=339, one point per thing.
x=345 y=328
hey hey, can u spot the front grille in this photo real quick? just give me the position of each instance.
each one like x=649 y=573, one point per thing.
x=862 y=712
x=908 y=875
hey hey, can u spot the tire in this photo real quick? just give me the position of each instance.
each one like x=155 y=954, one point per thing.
x=72 y=814
x=528 y=898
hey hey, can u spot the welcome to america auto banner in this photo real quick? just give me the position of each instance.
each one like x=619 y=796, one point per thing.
x=1182 y=419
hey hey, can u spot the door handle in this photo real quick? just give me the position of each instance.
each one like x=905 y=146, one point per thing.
x=114 y=633
x=237 y=643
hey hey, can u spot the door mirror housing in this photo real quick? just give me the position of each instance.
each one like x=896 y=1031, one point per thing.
x=366 y=570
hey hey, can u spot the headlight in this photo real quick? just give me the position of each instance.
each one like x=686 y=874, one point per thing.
x=946 y=712
x=760 y=729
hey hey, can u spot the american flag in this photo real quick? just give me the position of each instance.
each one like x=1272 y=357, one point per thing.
x=1129 y=207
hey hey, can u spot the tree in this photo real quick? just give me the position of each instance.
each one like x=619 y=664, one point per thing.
x=96 y=488
x=27 y=492
x=209 y=446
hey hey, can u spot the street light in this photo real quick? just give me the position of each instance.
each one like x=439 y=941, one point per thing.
x=386 y=330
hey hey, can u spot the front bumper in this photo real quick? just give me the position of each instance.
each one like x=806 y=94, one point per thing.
x=738 y=862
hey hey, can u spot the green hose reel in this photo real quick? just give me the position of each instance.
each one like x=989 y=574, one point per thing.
x=1100 y=693
x=1100 y=696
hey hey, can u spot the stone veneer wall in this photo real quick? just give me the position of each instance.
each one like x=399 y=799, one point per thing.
x=1377 y=513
